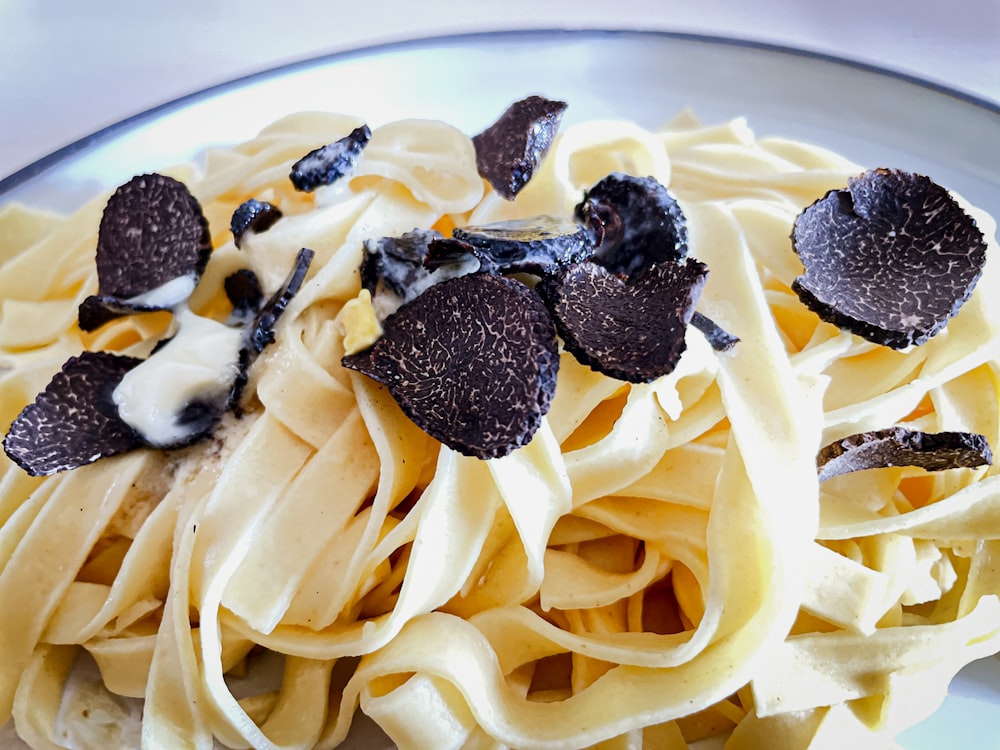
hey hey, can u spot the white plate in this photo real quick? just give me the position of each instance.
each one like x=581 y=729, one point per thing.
x=870 y=116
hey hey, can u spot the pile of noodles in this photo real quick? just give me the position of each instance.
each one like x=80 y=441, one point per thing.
x=658 y=566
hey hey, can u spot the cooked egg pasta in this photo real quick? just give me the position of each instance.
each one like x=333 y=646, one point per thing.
x=659 y=565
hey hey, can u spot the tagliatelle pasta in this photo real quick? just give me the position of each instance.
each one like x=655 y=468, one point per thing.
x=658 y=566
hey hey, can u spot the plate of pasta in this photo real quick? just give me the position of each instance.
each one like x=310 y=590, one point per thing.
x=338 y=521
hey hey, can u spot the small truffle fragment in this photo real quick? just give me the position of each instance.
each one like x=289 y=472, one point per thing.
x=396 y=270
x=262 y=332
x=327 y=164
x=253 y=216
x=244 y=292
x=718 y=338
x=152 y=246
x=538 y=245
x=637 y=223
x=443 y=252
x=631 y=330
x=510 y=150
x=899 y=446
x=472 y=361
x=96 y=310
x=891 y=258
x=74 y=421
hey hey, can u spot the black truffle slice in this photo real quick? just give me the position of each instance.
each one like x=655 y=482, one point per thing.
x=262 y=332
x=398 y=269
x=718 y=338
x=631 y=330
x=898 y=446
x=538 y=245
x=327 y=164
x=253 y=216
x=472 y=361
x=637 y=223
x=510 y=150
x=153 y=232
x=74 y=421
x=891 y=258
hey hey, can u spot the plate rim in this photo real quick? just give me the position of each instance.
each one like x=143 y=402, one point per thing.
x=97 y=137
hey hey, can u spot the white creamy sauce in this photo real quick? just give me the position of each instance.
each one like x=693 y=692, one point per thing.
x=199 y=363
x=168 y=295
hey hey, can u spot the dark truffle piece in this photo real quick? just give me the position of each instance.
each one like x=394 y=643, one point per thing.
x=538 y=245
x=510 y=150
x=244 y=292
x=472 y=361
x=718 y=338
x=96 y=310
x=890 y=258
x=153 y=232
x=396 y=261
x=631 y=330
x=262 y=332
x=327 y=164
x=443 y=252
x=74 y=421
x=398 y=269
x=253 y=216
x=898 y=446
x=636 y=221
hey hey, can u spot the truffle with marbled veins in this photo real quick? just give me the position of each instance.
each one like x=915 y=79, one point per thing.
x=472 y=361
x=74 y=421
x=630 y=329
x=892 y=257
x=510 y=150
x=152 y=247
x=900 y=446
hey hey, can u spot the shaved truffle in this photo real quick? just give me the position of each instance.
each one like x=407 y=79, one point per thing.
x=538 y=245
x=631 y=330
x=890 y=258
x=253 y=216
x=472 y=361
x=74 y=421
x=152 y=247
x=637 y=223
x=718 y=338
x=327 y=164
x=262 y=332
x=510 y=150
x=898 y=446
x=398 y=269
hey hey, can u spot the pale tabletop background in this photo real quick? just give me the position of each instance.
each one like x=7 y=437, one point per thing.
x=68 y=68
